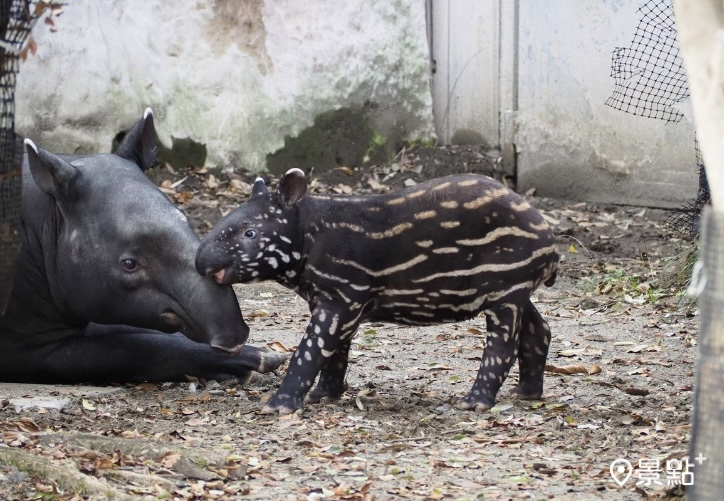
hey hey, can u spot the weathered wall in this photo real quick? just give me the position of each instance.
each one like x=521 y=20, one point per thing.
x=570 y=144
x=237 y=75
x=536 y=74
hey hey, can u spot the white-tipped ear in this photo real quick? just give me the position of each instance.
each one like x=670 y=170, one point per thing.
x=259 y=187
x=30 y=144
x=139 y=144
x=292 y=187
x=51 y=173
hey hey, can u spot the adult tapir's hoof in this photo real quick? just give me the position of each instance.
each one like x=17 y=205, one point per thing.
x=470 y=403
x=283 y=404
x=271 y=360
x=268 y=361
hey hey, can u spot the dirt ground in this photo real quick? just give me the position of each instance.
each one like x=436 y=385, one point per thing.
x=618 y=385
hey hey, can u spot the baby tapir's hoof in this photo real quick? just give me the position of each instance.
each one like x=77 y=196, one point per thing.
x=466 y=404
x=328 y=389
x=283 y=404
x=526 y=393
x=476 y=401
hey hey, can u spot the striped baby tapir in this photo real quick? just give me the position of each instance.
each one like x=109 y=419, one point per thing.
x=440 y=251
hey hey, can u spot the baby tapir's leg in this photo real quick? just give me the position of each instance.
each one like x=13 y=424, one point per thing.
x=501 y=351
x=331 y=378
x=535 y=338
x=329 y=330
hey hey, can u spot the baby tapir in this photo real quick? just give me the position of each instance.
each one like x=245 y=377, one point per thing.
x=105 y=288
x=440 y=251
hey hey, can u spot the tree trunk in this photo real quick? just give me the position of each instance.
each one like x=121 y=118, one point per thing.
x=700 y=25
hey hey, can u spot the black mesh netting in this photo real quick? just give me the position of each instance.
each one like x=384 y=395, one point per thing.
x=686 y=220
x=650 y=81
x=16 y=19
x=649 y=75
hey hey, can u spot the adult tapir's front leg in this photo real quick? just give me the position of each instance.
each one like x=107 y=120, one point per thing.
x=125 y=354
x=325 y=343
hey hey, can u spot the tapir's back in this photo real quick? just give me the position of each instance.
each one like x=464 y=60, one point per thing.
x=459 y=241
x=457 y=226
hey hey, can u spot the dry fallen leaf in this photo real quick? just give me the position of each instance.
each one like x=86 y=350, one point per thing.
x=277 y=346
x=567 y=369
x=259 y=313
x=594 y=369
x=170 y=459
x=240 y=186
x=581 y=351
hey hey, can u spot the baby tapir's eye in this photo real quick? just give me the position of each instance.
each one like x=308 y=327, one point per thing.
x=251 y=233
x=130 y=264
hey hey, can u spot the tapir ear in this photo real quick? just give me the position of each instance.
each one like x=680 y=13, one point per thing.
x=292 y=187
x=259 y=188
x=139 y=144
x=53 y=174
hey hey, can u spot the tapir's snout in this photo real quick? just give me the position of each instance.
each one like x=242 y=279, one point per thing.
x=227 y=331
x=209 y=313
x=211 y=262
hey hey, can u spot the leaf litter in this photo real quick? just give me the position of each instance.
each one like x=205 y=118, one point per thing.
x=618 y=383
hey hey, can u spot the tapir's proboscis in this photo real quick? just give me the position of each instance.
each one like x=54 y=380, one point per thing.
x=106 y=289
x=441 y=251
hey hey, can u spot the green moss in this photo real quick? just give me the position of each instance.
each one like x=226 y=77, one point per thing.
x=346 y=137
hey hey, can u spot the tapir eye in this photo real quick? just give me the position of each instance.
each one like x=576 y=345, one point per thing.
x=250 y=233
x=130 y=264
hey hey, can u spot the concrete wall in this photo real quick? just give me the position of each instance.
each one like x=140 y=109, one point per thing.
x=534 y=74
x=239 y=76
x=569 y=143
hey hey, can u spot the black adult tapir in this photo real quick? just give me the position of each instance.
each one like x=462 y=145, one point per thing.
x=106 y=288
x=441 y=251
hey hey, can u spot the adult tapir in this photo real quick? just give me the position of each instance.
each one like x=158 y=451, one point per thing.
x=106 y=288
